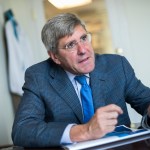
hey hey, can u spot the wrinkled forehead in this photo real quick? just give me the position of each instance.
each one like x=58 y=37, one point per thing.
x=74 y=29
x=77 y=33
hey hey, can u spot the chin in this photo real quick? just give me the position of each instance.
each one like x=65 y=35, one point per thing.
x=88 y=70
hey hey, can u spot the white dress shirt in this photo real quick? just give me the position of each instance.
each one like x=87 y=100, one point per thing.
x=77 y=86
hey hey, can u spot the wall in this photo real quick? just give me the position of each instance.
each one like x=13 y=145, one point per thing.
x=137 y=12
x=98 y=25
x=30 y=15
x=6 y=111
x=129 y=24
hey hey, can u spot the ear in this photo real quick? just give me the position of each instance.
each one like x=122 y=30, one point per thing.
x=54 y=57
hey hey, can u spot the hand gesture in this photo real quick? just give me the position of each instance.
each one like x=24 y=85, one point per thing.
x=104 y=121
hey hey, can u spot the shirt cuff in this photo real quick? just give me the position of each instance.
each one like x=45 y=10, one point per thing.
x=146 y=122
x=65 y=139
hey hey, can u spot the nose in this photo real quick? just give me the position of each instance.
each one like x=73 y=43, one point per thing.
x=81 y=48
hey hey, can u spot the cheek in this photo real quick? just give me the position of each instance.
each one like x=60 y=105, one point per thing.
x=71 y=61
x=71 y=58
x=68 y=59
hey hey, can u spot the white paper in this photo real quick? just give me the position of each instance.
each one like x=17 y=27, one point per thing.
x=107 y=139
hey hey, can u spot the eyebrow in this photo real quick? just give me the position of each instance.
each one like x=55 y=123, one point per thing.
x=75 y=39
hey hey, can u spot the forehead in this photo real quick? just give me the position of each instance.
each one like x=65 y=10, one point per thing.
x=77 y=33
x=78 y=30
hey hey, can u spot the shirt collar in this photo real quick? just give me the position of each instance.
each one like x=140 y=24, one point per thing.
x=71 y=76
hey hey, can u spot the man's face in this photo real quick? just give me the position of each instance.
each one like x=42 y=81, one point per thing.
x=80 y=59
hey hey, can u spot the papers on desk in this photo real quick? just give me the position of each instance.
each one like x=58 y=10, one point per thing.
x=122 y=135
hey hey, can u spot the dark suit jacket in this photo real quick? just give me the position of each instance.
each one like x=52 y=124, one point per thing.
x=50 y=102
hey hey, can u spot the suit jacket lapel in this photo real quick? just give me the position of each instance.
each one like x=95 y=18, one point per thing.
x=99 y=88
x=65 y=89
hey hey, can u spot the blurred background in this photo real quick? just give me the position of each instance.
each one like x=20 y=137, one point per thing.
x=117 y=26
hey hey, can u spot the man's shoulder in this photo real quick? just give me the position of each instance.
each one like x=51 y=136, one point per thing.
x=108 y=62
x=112 y=58
x=107 y=56
x=42 y=66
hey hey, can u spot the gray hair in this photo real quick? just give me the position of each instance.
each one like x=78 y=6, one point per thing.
x=58 y=27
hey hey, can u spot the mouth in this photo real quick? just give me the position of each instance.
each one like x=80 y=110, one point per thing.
x=84 y=60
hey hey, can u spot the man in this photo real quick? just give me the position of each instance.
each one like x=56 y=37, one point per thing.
x=51 y=112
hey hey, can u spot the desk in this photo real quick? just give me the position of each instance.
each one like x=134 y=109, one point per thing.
x=142 y=145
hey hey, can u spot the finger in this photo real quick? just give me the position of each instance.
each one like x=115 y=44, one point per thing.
x=112 y=115
x=107 y=129
x=110 y=128
x=111 y=122
x=107 y=115
x=113 y=107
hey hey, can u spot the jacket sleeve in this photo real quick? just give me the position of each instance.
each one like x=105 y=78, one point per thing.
x=137 y=94
x=30 y=128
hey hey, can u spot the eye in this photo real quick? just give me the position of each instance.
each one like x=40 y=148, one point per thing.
x=71 y=45
x=84 y=38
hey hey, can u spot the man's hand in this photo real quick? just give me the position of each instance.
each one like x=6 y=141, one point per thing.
x=103 y=122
